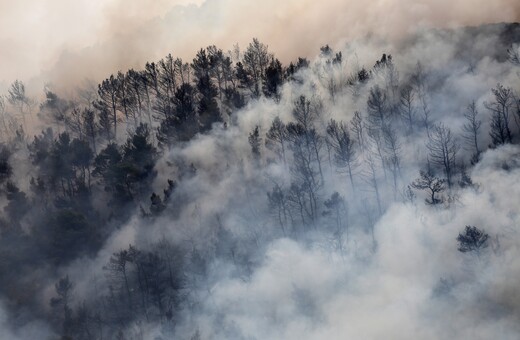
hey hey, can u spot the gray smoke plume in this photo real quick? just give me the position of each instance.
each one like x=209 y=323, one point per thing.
x=398 y=274
x=383 y=263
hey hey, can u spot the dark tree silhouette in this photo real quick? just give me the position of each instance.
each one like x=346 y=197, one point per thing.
x=125 y=97
x=407 y=106
x=167 y=71
x=434 y=185
x=90 y=127
x=181 y=125
x=139 y=157
x=105 y=122
x=357 y=127
x=255 y=61
x=55 y=109
x=337 y=210
x=392 y=153
x=443 y=149
x=276 y=139
x=500 y=109
x=345 y=156
x=279 y=207
x=472 y=240
x=273 y=79
x=255 y=141
x=471 y=130
x=108 y=92
x=378 y=110
x=208 y=108
x=293 y=68
x=118 y=274
x=19 y=99
x=17 y=205
x=6 y=169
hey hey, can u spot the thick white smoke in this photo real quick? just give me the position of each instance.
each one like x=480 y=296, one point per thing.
x=398 y=275
x=313 y=293
x=413 y=284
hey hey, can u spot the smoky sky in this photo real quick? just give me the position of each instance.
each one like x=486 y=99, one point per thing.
x=63 y=42
x=297 y=288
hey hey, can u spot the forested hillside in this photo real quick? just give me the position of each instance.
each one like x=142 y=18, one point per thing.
x=368 y=191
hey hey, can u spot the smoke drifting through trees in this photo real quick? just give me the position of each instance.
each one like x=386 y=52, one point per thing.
x=91 y=38
x=233 y=197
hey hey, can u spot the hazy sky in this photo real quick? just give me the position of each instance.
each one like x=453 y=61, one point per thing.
x=262 y=284
x=95 y=37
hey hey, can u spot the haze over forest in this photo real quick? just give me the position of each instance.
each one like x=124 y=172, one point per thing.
x=222 y=169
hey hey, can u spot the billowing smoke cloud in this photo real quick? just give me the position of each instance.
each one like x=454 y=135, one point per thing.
x=62 y=43
x=313 y=293
x=413 y=283
x=395 y=273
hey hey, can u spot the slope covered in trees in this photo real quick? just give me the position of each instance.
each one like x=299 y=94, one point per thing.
x=233 y=197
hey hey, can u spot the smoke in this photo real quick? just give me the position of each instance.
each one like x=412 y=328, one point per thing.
x=63 y=43
x=396 y=275
x=21 y=329
x=301 y=292
x=413 y=283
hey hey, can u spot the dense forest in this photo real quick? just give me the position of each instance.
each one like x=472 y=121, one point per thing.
x=234 y=197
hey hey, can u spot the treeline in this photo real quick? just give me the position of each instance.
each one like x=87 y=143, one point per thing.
x=94 y=164
x=183 y=98
x=92 y=167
